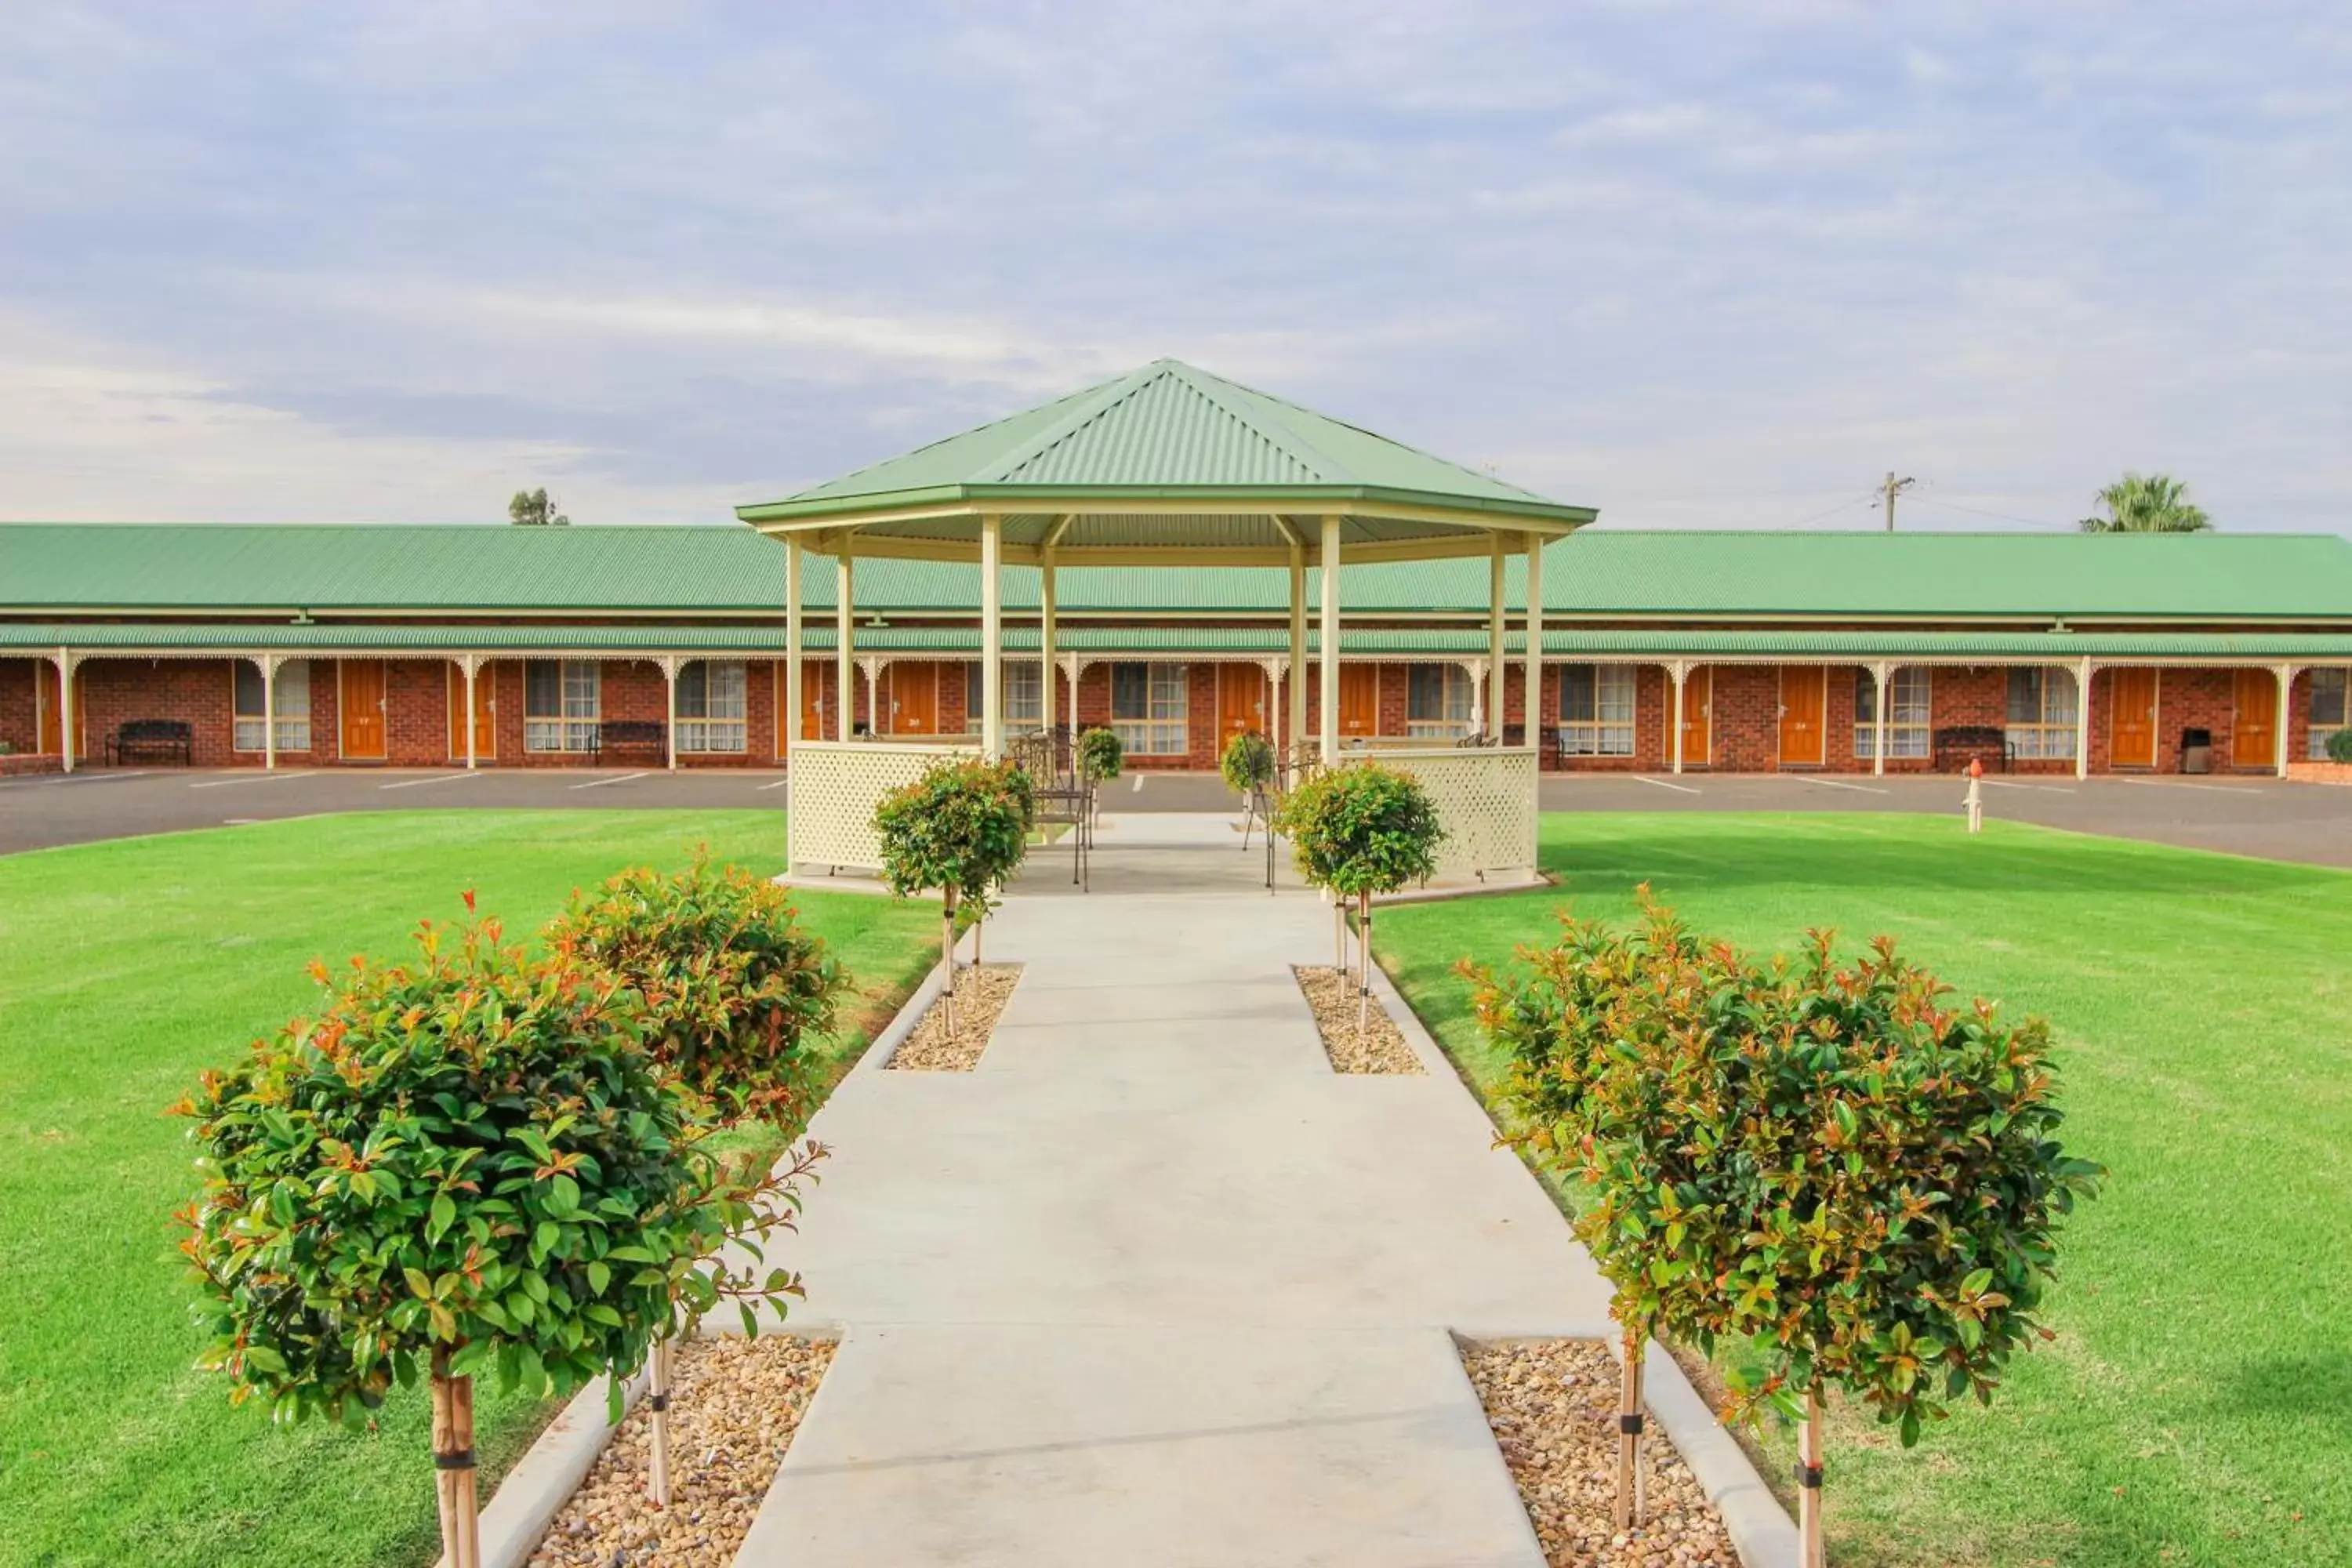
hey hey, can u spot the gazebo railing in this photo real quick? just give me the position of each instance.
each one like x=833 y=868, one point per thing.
x=1486 y=797
x=834 y=787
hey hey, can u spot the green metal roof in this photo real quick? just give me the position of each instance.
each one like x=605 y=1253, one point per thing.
x=1081 y=468
x=194 y=569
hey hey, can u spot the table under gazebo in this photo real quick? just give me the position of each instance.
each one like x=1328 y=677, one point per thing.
x=1167 y=466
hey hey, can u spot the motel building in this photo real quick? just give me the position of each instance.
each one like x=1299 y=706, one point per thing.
x=358 y=646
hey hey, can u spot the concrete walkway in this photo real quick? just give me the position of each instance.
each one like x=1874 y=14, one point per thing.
x=1152 y=1285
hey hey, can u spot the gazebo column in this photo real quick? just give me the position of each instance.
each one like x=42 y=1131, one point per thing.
x=845 y=636
x=1496 y=665
x=1048 y=676
x=991 y=636
x=1297 y=734
x=1327 y=558
x=1880 y=674
x=1679 y=673
x=788 y=722
x=1535 y=637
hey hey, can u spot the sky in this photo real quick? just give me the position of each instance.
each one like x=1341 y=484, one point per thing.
x=1697 y=265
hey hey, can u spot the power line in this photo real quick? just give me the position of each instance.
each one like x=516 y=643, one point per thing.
x=1979 y=511
x=1841 y=506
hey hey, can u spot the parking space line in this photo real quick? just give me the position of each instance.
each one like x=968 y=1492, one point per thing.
x=1660 y=784
x=431 y=779
x=52 y=781
x=617 y=778
x=1841 y=784
x=2011 y=783
x=2184 y=783
x=778 y=784
x=253 y=778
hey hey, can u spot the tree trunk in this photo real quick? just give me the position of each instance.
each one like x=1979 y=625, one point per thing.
x=1629 y=1434
x=1809 y=1481
x=1364 y=968
x=657 y=1420
x=947 y=946
x=453 y=1465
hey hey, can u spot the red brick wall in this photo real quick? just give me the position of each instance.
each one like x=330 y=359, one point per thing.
x=19 y=717
x=196 y=691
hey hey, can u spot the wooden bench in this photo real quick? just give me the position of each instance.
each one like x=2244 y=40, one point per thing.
x=1958 y=745
x=646 y=736
x=153 y=739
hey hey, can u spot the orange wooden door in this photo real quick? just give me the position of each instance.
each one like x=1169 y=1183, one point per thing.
x=1804 y=689
x=2253 y=729
x=816 y=703
x=1360 y=700
x=51 y=738
x=2131 y=718
x=360 y=709
x=915 y=699
x=1241 y=701
x=485 y=713
x=1698 y=717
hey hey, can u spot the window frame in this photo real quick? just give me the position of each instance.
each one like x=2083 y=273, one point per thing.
x=1455 y=705
x=1154 y=733
x=708 y=733
x=1601 y=731
x=2318 y=727
x=1024 y=693
x=576 y=724
x=2048 y=734
x=1910 y=717
x=245 y=737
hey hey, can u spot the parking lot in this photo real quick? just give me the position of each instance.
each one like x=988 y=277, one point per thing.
x=2308 y=823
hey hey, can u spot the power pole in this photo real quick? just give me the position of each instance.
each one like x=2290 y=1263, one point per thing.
x=1890 y=489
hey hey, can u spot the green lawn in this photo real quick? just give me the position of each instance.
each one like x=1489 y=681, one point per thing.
x=125 y=967
x=2196 y=1407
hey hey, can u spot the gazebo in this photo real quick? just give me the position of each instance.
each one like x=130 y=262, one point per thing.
x=1166 y=466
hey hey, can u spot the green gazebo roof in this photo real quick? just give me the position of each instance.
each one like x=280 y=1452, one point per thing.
x=1166 y=463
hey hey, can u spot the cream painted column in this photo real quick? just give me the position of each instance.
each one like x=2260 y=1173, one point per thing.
x=1679 y=673
x=1880 y=674
x=470 y=666
x=1495 y=662
x=2286 y=673
x=66 y=662
x=845 y=636
x=788 y=722
x=267 y=665
x=668 y=663
x=991 y=636
x=1048 y=677
x=1297 y=644
x=873 y=668
x=2082 y=720
x=1327 y=559
x=1535 y=638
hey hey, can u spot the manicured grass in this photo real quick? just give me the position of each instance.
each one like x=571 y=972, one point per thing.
x=2196 y=1406
x=124 y=968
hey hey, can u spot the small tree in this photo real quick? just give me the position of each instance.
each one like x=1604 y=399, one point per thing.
x=1361 y=830
x=733 y=989
x=2339 y=745
x=461 y=1165
x=1247 y=763
x=531 y=509
x=963 y=828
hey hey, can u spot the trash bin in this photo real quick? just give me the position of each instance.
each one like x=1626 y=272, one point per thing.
x=2196 y=750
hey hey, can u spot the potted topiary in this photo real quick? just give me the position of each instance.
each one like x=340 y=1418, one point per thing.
x=1360 y=830
x=963 y=828
x=461 y=1165
x=1101 y=759
x=734 y=987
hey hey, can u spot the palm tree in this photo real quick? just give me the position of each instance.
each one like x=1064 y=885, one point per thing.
x=2150 y=504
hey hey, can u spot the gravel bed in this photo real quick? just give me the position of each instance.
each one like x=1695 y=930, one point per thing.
x=1553 y=1407
x=1332 y=994
x=980 y=993
x=734 y=1404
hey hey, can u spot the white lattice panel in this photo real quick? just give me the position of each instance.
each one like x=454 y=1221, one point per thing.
x=1486 y=799
x=837 y=784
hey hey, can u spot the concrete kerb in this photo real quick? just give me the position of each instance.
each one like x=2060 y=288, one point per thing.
x=876 y=1056
x=1759 y=1526
x=543 y=1479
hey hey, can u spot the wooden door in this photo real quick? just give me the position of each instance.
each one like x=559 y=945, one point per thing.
x=915 y=697
x=360 y=709
x=1359 y=702
x=2254 y=728
x=816 y=703
x=2131 y=718
x=1805 y=690
x=1698 y=717
x=50 y=738
x=485 y=714
x=1241 y=701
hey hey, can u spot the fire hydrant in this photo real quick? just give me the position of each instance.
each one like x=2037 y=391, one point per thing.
x=1975 y=802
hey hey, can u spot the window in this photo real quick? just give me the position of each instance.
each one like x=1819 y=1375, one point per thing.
x=1437 y=701
x=2040 y=712
x=710 y=706
x=1596 y=710
x=2328 y=709
x=293 y=705
x=1024 y=693
x=559 y=699
x=1906 y=713
x=1146 y=709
